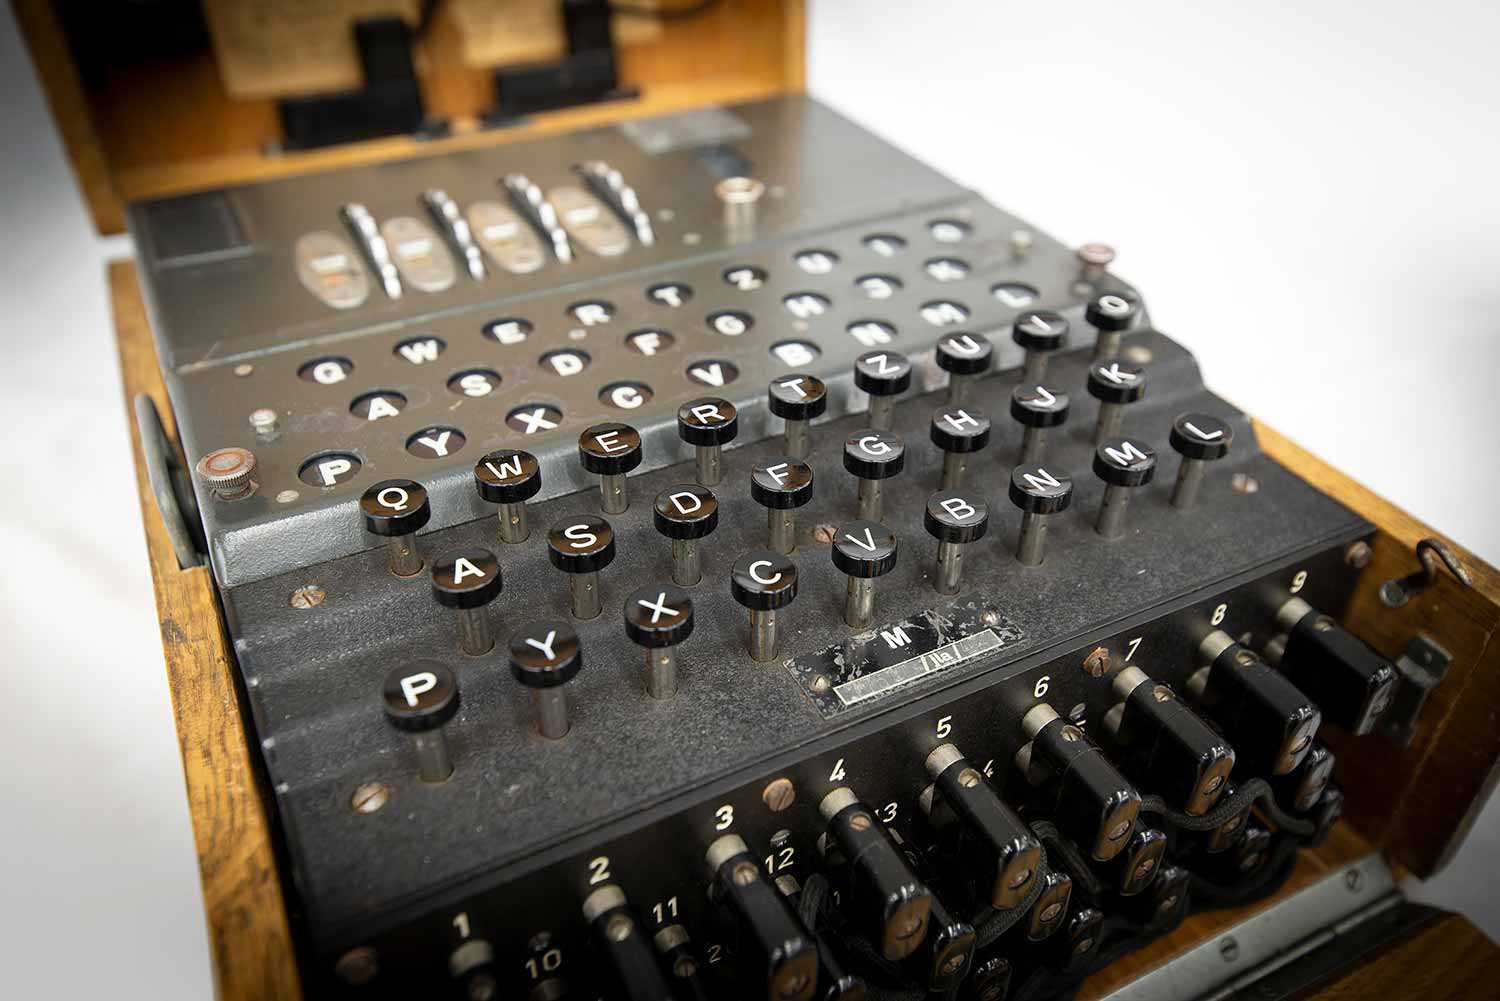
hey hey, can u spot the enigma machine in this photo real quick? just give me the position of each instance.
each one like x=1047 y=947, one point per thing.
x=706 y=553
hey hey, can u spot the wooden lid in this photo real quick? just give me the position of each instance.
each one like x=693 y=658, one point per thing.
x=165 y=125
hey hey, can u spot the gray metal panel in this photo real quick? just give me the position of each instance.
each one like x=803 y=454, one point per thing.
x=312 y=676
x=836 y=185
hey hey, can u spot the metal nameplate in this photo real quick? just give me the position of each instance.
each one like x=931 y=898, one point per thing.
x=889 y=678
x=869 y=666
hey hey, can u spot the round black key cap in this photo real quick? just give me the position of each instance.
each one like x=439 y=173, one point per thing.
x=1199 y=439
x=798 y=399
x=420 y=699
x=581 y=547
x=686 y=513
x=658 y=618
x=884 y=375
x=611 y=450
x=1040 y=492
x=396 y=510
x=873 y=456
x=1115 y=385
x=467 y=580
x=965 y=357
x=955 y=518
x=958 y=431
x=763 y=582
x=509 y=477
x=708 y=424
x=545 y=656
x=863 y=550
x=1110 y=313
x=1123 y=464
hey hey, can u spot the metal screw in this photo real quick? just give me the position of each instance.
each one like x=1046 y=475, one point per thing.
x=482 y=987
x=358 y=966
x=1020 y=242
x=307 y=596
x=287 y=496
x=370 y=797
x=1229 y=949
x=1138 y=353
x=263 y=420
x=1358 y=555
x=1078 y=712
x=779 y=794
x=860 y=822
x=990 y=617
x=1097 y=254
x=1244 y=483
x=243 y=369
x=1096 y=663
x=618 y=928
x=824 y=533
x=1354 y=880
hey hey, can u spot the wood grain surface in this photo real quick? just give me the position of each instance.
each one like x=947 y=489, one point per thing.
x=1448 y=958
x=1416 y=802
x=123 y=148
x=248 y=934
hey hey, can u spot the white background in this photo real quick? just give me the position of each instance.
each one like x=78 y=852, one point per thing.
x=1305 y=192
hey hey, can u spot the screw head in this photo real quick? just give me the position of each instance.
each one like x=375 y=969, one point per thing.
x=1244 y=483
x=263 y=420
x=358 y=966
x=1229 y=949
x=739 y=190
x=779 y=794
x=1098 y=254
x=1096 y=663
x=370 y=797
x=1358 y=555
x=307 y=596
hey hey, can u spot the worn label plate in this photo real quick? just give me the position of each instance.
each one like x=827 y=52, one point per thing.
x=869 y=666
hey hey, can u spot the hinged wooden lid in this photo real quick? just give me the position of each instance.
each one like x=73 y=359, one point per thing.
x=169 y=125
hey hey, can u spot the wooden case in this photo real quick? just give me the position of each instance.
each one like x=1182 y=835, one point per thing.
x=170 y=127
x=1412 y=803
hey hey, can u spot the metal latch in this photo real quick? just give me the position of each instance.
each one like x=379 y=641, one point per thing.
x=1422 y=668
